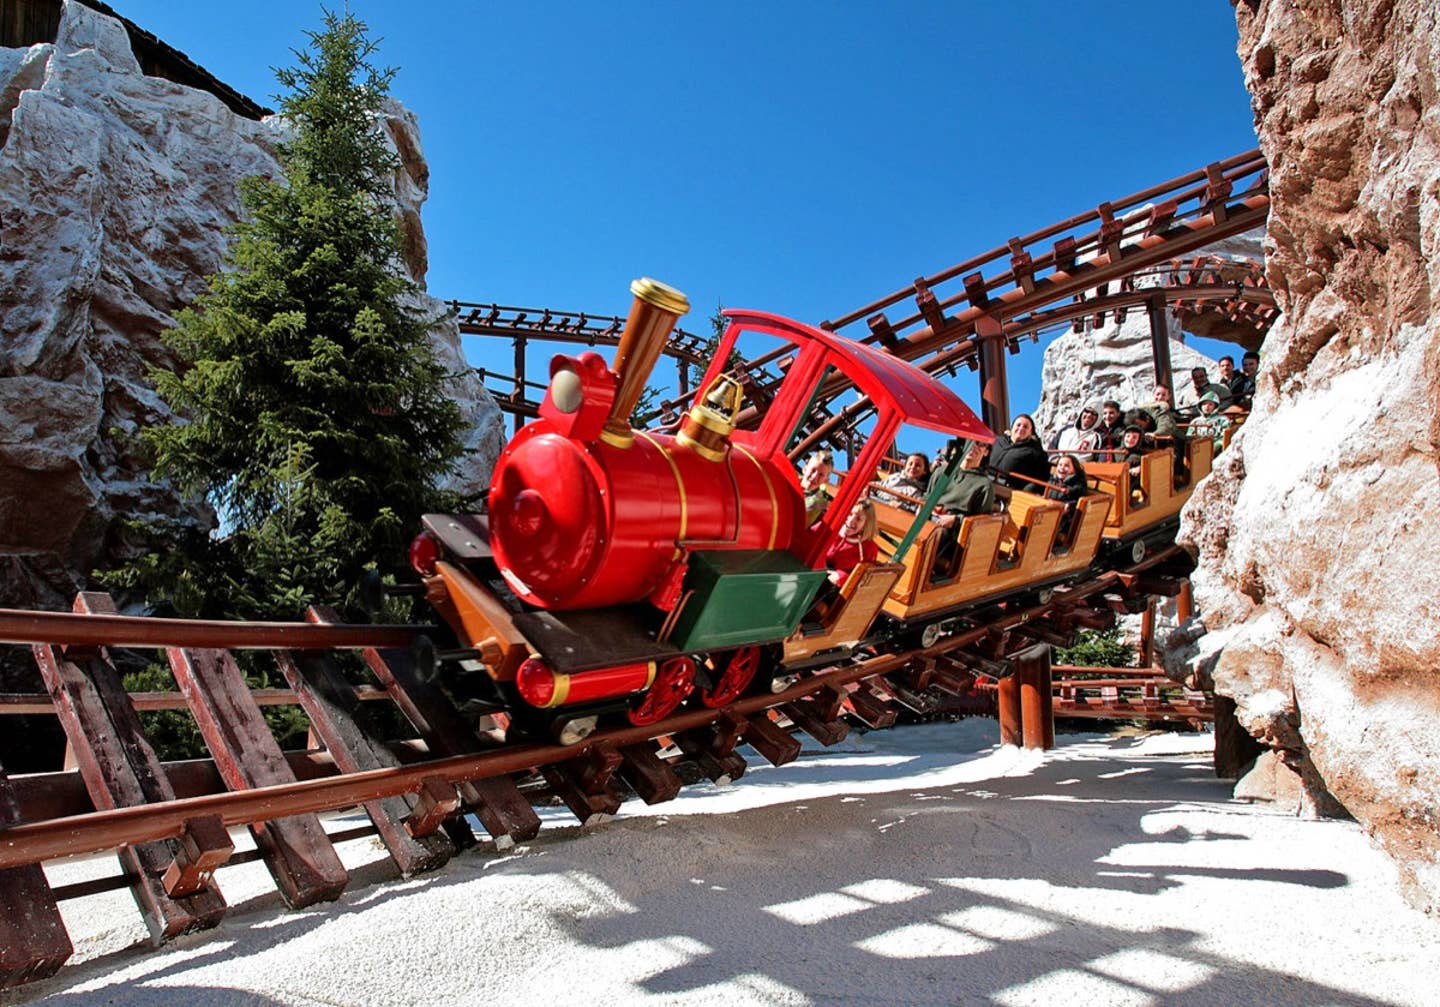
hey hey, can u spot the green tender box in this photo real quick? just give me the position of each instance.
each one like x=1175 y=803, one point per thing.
x=743 y=596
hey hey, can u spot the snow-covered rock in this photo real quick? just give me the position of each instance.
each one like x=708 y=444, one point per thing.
x=115 y=193
x=1320 y=564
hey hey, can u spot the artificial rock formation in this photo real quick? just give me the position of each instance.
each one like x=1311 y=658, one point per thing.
x=1317 y=538
x=115 y=193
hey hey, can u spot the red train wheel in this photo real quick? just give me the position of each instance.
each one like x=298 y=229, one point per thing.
x=739 y=671
x=673 y=683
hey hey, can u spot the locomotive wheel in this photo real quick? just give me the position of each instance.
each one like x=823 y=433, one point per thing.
x=673 y=683
x=740 y=669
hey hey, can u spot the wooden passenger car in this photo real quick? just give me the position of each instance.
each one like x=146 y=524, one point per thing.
x=1019 y=548
x=1022 y=547
x=1154 y=500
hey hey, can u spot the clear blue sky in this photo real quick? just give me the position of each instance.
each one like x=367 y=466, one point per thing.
x=802 y=158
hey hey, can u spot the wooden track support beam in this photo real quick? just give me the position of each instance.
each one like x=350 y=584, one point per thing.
x=33 y=941
x=713 y=748
x=1007 y=697
x=301 y=858
x=203 y=848
x=436 y=801
x=121 y=770
x=649 y=775
x=348 y=732
x=819 y=716
x=771 y=740
x=583 y=783
x=503 y=811
x=870 y=709
x=1037 y=715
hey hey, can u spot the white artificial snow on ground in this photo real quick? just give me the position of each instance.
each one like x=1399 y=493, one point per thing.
x=919 y=865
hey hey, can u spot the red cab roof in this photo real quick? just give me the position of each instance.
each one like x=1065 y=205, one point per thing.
x=886 y=380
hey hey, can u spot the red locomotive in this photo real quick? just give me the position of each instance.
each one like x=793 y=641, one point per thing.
x=617 y=568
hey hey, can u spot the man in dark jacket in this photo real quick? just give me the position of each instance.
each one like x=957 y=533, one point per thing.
x=1242 y=385
x=1110 y=428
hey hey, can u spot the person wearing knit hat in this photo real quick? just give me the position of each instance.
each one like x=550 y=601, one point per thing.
x=1132 y=447
x=1211 y=422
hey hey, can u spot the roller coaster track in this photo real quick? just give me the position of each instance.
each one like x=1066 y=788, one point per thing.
x=170 y=822
x=1126 y=254
x=519 y=396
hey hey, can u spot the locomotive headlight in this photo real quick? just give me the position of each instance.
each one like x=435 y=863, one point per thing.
x=566 y=390
x=537 y=684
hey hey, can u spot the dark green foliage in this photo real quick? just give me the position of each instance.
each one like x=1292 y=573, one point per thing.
x=174 y=734
x=316 y=424
x=1098 y=648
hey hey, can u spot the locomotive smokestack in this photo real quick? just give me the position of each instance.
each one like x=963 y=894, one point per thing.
x=652 y=316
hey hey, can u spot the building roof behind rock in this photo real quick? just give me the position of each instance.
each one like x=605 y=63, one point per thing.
x=28 y=22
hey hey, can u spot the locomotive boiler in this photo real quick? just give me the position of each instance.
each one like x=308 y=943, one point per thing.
x=585 y=512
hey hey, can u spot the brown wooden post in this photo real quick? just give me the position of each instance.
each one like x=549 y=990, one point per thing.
x=994 y=389
x=1160 y=341
x=338 y=719
x=1032 y=717
x=504 y=812
x=121 y=770
x=771 y=740
x=300 y=856
x=1146 y=644
x=1184 y=602
x=1007 y=697
x=33 y=942
x=519 y=379
x=1047 y=699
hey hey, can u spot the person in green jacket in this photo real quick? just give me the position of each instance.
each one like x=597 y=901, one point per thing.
x=969 y=492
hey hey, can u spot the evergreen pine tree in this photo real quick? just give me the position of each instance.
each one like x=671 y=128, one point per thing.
x=315 y=421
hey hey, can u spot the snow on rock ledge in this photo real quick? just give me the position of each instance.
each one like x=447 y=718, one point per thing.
x=115 y=192
x=1320 y=567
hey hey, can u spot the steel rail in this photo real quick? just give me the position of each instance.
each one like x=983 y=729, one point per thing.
x=40 y=703
x=93 y=832
x=84 y=630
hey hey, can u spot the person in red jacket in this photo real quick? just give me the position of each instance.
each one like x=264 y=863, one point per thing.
x=855 y=544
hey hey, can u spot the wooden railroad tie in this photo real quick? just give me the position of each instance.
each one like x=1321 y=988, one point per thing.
x=348 y=732
x=819 y=715
x=583 y=783
x=121 y=770
x=502 y=810
x=300 y=856
x=777 y=745
x=713 y=748
x=649 y=775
